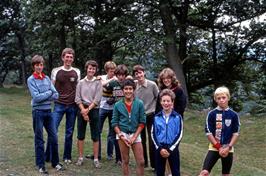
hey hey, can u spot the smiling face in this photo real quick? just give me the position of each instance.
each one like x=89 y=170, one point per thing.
x=140 y=76
x=167 y=81
x=222 y=100
x=167 y=103
x=68 y=60
x=128 y=92
x=91 y=70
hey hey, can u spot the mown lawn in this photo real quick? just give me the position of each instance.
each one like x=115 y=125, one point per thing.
x=17 y=151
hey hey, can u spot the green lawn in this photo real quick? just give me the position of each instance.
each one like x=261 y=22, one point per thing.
x=17 y=151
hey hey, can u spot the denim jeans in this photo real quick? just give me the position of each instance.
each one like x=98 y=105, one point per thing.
x=43 y=118
x=111 y=141
x=71 y=112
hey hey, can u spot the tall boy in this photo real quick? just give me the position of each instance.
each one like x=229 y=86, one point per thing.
x=43 y=93
x=65 y=79
x=222 y=129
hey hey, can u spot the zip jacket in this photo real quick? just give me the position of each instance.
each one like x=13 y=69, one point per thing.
x=167 y=134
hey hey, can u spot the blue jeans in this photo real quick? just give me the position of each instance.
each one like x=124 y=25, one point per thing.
x=40 y=119
x=111 y=141
x=71 y=112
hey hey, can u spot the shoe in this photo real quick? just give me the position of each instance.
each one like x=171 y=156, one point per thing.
x=59 y=167
x=97 y=164
x=79 y=162
x=43 y=171
x=109 y=157
x=67 y=161
x=119 y=163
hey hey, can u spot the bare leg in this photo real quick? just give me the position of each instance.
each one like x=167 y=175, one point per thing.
x=204 y=173
x=96 y=149
x=124 y=149
x=138 y=153
x=80 y=144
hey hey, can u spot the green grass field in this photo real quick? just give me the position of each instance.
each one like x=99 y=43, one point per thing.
x=17 y=150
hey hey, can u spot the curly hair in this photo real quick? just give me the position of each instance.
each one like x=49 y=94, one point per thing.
x=167 y=73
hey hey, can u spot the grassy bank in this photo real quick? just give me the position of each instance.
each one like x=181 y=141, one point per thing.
x=17 y=151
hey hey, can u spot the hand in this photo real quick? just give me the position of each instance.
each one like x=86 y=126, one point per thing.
x=84 y=111
x=164 y=153
x=126 y=141
x=132 y=139
x=224 y=151
x=86 y=118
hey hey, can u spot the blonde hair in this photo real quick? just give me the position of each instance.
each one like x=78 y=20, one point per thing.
x=222 y=90
x=109 y=65
x=167 y=73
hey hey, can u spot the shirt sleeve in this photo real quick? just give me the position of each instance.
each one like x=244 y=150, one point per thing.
x=35 y=94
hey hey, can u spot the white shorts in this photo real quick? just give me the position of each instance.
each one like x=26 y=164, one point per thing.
x=128 y=136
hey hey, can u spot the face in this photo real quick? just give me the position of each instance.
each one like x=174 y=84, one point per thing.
x=167 y=81
x=68 y=60
x=222 y=100
x=166 y=103
x=91 y=71
x=121 y=77
x=140 y=75
x=111 y=73
x=38 y=68
x=128 y=92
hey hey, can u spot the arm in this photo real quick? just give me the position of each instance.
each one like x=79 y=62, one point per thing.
x=55 y=94
x=35 y=94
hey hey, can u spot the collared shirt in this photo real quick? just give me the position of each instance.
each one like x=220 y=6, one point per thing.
x=148 y=93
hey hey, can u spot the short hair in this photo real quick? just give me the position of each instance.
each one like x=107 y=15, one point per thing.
x=109 y=65
x=36 y=59
x=121 y=70
x=136 y=68
x=93 y=63
x=128 y=82
x=165 y=73
x=168 y=92
x=67 y=51
x=222 y=90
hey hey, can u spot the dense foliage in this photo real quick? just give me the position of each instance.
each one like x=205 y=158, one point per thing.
x=208 y=43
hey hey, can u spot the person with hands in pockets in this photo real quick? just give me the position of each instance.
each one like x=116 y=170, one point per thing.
x=128 y=121
x=167 y=132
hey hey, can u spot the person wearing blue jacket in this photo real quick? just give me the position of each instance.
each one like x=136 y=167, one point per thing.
x=43 y=93
x=167 y=133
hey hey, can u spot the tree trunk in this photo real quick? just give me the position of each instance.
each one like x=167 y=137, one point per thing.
x=21 y=43
x=170 y=44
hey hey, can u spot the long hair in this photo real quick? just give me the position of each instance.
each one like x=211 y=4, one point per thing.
x=167 y=73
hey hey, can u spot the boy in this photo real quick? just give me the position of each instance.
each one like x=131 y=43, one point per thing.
x=167 y=133
x=222 y=129
x=43 y=93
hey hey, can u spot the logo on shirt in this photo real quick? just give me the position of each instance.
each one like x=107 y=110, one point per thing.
x=72 y=79
x=219 y=117
x=227 y=122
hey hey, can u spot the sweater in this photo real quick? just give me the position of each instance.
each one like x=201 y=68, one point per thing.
x=42 y=92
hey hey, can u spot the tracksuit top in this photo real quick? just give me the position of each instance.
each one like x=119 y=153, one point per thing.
x=222 y=124
x=128 y=123
x=167 y=134
x=42 y=92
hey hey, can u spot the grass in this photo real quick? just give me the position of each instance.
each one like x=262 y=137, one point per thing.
x=17 y=150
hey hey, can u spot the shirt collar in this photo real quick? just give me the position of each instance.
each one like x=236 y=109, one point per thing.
x=37 y=76
x=91 y=79
x=220 y=109
x=144 y=84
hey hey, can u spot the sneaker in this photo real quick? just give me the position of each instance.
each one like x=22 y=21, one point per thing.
x=67 y=161
x=79 y=162
x=43 y=171
x=59 y=167
x=109 y=157
x=97 y=164
x=119 y=163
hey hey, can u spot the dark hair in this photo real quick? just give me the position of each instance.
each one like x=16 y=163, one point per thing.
x=67 y=51
x=128 y=82
x=121 y=70
x=136 y=68
x=36 y=60
x=167 y=92
x=93 y=63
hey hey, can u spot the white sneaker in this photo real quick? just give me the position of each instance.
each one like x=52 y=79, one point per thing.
x=79 y=162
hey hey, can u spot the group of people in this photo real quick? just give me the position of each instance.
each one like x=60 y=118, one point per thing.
x=134 y=108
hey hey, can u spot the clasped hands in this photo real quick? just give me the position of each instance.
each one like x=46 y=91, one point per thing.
x=224 y=151
x=84 y=112
x=128 y=141
x=164 y=153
